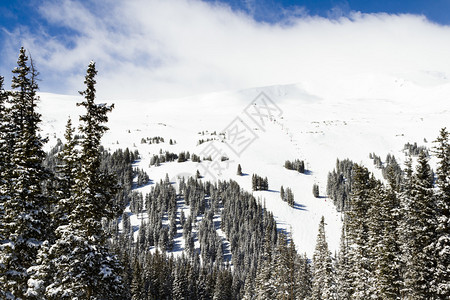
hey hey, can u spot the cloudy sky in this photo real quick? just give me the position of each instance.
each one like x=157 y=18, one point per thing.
x=150 y=49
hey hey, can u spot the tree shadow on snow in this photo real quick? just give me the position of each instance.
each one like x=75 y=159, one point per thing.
x=300 y=206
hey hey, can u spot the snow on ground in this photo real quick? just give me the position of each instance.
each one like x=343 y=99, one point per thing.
x=347 y=118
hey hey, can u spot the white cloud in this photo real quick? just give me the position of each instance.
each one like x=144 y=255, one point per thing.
x=157 y=49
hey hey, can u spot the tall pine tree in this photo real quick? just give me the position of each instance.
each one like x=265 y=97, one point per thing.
x=323 y=287
x=25 y=219
x=82 y=267
x=441 y=282
x=357 y=232
x=420 y=226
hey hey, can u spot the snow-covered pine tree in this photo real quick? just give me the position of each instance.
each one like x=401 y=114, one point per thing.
x=83 y=266
x=304 y=278
x=383 y=243
x=4 y=153
x=285 y=265
x=66 y=172
x=343 y=280
x=323 y=286
x=441 y=283
x=5 y=171
x=357 y=231
x=25 y=219
x=420 y=224
x=264 y=281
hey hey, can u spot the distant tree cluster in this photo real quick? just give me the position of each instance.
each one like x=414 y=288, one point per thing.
x=287 y=196
x=388 y=168
x=184 y=156
x=156 y=160
x=213 y=278
x=339 y=183
x=201 y=141
x=378 y=163
x=297 y=165
x=195 y=158
x=141 y=177
x=259 y=183
x=154 y=140
x=414 y=149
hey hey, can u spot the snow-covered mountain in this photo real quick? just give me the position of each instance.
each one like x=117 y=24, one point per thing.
x=263 y=127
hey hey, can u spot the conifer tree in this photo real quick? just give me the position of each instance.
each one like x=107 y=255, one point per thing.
x=420 y=224
x=25 y=208
x=357 y=232
x=383 y=246
x=441 y=283
x=66 y=170
x=343 y=280
x=323 y=286
x=264 y=281
x=83 y=266
x=285 y=265
x=5 y=160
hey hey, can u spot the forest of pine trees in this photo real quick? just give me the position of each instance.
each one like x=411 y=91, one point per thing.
x=60 y=238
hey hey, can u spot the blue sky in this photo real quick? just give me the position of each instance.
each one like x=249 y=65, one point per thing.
x=272 y=11
x=171 y=48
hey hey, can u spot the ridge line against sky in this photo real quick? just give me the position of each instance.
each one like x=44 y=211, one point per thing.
x=173 y=48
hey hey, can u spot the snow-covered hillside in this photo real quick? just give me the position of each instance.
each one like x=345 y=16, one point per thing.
x=314 y=122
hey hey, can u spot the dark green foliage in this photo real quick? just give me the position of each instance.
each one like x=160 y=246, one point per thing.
x=24 y=204
x=288 y=196
x=239 y=170
x=339 y=183
x=79 y=264
x=390 y=166
x=297 y=165
x=414 y=150
x=392 y=245
x=323 y=286
x=162 y=158
x=315 y=190
x=182 y=157
x=259 y=183
x=442 y=242
x=420 y=223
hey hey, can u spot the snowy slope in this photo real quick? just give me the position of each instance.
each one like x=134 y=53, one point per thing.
x=317 y=122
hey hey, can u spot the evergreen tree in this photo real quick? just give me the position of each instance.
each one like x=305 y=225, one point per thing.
x=357 y=232
x=5 y=160
x=420 y=225
x=239 y=170
x=441 y=283
x=66 y=173
x=264 y=281
x=25 y=217
x=83 y=266
x=285 y=264
x=343 y=279
x=316 y=190
x=323 y=286
x=383 y=246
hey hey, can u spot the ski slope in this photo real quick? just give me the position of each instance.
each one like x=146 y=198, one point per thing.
x=317 y=122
